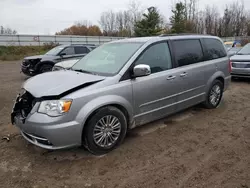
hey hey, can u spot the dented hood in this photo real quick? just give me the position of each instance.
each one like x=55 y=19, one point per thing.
x=59 y=82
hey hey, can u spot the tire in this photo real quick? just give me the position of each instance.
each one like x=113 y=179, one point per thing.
x=45 y=68
x=93 y=127
x=214 y=101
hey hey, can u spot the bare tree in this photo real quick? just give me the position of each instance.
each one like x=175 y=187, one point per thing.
x=211 y=19
x=191 y=9
x=135 y=10
x=107 y=21
x=247 y=26
x=123 y=23
x=234 y=20
x=7 y=31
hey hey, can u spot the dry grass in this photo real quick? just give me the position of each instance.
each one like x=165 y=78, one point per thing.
x=10 y=53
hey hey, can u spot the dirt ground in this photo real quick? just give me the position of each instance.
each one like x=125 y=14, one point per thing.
x=208 y=148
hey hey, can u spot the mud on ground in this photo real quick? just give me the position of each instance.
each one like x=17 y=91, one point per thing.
x=206 y=148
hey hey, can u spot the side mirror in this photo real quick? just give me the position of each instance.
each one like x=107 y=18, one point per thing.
x=62 y=54
x=141 y=70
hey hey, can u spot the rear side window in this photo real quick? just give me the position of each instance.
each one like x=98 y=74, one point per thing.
x=81 y=50
x=188 y=51
x=214 y=49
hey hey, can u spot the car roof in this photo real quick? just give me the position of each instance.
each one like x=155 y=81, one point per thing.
x=67 y=45
x=162 y=37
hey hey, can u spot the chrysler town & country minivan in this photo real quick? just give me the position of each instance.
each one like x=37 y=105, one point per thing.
x=118 y=86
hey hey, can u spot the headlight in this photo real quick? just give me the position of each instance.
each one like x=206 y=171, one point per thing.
x=54 y=107
x=57 y=68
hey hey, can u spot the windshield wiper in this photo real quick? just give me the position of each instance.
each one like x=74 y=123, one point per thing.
x=243 y=54
x=83 y=71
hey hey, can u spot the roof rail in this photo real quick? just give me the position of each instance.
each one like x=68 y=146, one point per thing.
x=79 y=44
x=176 y=34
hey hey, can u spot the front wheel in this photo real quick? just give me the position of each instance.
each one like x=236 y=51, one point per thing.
x=214 y=95
x=45 y=68
x=105 y=130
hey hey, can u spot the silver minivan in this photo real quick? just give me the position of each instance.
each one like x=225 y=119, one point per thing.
x=118 y=86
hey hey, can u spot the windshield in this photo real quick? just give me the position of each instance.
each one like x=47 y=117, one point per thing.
x=107 y=59
x=245 y=50
x=55 y=51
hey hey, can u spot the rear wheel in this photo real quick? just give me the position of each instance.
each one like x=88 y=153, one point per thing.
x=105 y=130
x=214 y=95
x=45 y=68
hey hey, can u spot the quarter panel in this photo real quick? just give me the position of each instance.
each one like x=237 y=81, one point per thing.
x=212 y=78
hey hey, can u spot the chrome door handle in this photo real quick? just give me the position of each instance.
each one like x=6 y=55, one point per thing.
x=171 y=77
x=183 y=74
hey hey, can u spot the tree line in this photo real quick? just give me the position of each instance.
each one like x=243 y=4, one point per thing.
x=235 y=20
x=186 y=17
x=7 y=31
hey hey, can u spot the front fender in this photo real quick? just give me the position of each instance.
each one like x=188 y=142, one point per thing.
x=99 y=102
x=39 y=64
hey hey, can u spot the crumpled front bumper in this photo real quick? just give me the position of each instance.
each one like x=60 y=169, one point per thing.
x=53 y=137
x=47 y=132
x=27 y=69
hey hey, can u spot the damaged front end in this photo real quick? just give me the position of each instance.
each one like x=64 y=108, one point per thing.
x=28 y=66
x=22 y=107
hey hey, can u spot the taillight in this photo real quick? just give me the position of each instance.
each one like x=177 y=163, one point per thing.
x=230 y=66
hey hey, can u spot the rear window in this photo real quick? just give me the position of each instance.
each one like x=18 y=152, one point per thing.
x=81 y=50
x=214 y=49
x=188 y=51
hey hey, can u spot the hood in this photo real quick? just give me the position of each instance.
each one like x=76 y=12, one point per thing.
x=240 y=58
x=42 y=57
x=67 y=64
x=231 y=53
x=58 y=83
x=34 y=57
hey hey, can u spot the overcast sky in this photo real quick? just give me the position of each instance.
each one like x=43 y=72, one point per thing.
x=49 y=16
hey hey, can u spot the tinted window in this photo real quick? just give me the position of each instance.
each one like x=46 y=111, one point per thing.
x=81 y=50
x=188 y=52
x=69 y=51
x=214 y=49
x=157 y=57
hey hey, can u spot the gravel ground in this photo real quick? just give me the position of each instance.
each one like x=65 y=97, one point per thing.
x=200 y=148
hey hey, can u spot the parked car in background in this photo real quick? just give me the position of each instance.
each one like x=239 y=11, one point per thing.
x=232 y=44
x=241 y=62
x=34 y=65
x=118 y=86
x=67 y=64
x=64 y=65
x=233 y=51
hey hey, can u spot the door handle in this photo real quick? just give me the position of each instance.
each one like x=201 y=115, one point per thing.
x=183 y=74
x=171 y=77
